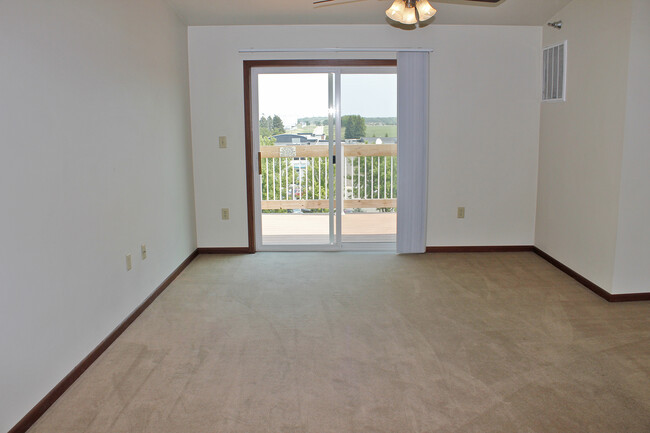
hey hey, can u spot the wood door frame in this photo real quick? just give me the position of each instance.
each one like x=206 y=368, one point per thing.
x=248 y=117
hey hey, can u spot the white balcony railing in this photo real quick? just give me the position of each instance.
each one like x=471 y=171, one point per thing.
x=296 y=177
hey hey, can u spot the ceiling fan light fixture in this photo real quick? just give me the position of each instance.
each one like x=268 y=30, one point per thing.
x=425 y=10
x=409 y=17
x=395 y=11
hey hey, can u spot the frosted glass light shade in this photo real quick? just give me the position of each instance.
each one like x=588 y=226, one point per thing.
x=425 y=10
x=408 y=16
x=394 y=12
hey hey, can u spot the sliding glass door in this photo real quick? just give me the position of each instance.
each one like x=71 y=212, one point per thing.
x=326 y=145
x=369 y=146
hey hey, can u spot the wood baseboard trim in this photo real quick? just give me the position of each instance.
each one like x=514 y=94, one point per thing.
x=481 y=249
x=42 y=406
x=631 y=297
x=229 y=250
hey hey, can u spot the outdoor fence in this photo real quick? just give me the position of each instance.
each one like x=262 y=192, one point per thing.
x=296 y=177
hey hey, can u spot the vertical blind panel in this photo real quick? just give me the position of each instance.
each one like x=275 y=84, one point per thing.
x=412 y=150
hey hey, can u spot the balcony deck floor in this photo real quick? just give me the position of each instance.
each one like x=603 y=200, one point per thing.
x=308 y=229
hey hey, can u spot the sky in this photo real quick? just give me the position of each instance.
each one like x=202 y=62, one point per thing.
x=291 y=96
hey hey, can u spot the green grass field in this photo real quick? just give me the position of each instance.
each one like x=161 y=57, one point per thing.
x=381 y=130
x=371 y=130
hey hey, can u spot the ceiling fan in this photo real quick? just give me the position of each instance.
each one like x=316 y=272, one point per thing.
x=404 y=11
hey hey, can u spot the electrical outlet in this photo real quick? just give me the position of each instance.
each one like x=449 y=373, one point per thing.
x=223 y=142
x=461 y=212
x=143 y=251
x=225 y=214
x=129 y=264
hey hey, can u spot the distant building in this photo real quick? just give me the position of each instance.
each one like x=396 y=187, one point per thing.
x=297 y=139
x=290 y=139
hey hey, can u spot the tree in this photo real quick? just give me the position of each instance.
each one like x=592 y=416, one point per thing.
x=278 y=126
x=265 y=130
x=271 y=125
x=355 y=126
x=267 y=140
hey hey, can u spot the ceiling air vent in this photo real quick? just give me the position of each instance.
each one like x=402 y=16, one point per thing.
x=554 y=73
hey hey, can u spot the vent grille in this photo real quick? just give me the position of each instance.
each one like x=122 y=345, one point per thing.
x=554 y=73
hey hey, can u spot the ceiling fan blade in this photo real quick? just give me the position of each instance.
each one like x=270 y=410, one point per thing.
x=482 y=1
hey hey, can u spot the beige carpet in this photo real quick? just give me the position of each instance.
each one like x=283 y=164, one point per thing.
x=359 y=342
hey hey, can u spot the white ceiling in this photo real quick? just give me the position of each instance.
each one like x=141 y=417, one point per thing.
x=258 y=12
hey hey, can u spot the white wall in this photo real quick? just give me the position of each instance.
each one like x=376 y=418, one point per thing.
x=581 y=140
x=485 y=87
x=96 y=159
x=632 y=273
